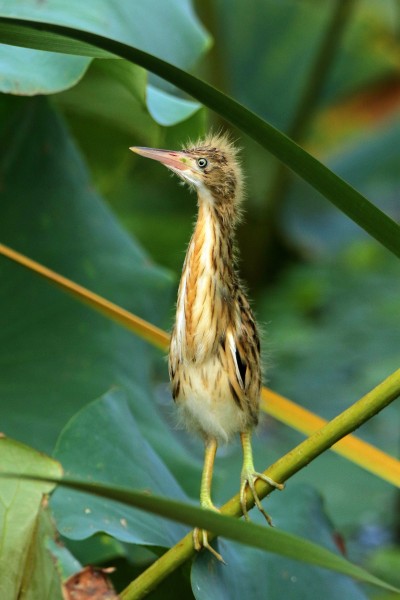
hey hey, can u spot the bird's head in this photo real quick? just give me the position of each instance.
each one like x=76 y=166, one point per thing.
x=210 y=165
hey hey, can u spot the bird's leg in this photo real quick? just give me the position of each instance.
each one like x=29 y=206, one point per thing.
x=249 y=476
x=200 y=536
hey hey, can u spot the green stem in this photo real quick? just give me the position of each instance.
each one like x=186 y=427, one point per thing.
x=349 y=420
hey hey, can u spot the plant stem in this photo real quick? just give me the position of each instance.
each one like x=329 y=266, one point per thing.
x=346 y=422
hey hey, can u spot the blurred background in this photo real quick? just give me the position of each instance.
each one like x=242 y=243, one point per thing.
x=326 y=294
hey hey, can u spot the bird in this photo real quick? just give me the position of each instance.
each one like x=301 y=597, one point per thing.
x=214 y=354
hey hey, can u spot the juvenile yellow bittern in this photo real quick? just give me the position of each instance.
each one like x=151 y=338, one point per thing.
x=214 y=356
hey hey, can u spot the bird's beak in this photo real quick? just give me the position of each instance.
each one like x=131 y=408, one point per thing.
x=169 y=158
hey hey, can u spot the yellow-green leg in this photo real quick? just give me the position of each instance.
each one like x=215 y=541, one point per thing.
x=200 y=536
x=249 y=476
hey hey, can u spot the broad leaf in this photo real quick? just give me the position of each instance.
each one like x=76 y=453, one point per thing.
x=27 y=570
x=26 y=72
x=167 y=109
x=175 y=34
x=169 y=30
x=116 y=454
x=56 y=355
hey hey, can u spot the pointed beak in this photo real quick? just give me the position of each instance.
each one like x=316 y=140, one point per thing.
x=169 y=158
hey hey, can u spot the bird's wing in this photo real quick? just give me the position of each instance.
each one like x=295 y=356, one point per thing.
x=242 y=356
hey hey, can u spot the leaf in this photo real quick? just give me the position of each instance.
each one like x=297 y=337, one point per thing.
x=256 y=536
x=119 y=453
x=112 y=82
x=65 y=562
x=56 y=355
x=42 y=578
x=26 y=72
x=167 y=109
x=175 y=28
x=103 y=133
x=26 y=568
x=175 y=34
x=341 y=194
x=90 y=584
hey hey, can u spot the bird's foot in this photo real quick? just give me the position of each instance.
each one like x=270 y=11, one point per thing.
x=248 y=479
x=200 y=536
x=200 y=540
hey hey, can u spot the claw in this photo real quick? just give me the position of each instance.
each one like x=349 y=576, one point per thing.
x=249 y=479
x=204 y=543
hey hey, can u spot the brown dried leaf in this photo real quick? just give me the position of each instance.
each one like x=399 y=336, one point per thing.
x=89 y=584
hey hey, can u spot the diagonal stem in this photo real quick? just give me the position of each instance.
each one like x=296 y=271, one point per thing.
x=357 y=414
x=139 y=326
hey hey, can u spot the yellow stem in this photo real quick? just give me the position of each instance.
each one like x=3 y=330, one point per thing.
x=145 y=330
x=361 y=453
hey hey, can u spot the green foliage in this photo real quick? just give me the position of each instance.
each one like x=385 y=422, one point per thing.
x=337 y=318
x=27 y=569
x=62 y=354
x=332 y=319
x=132 y=461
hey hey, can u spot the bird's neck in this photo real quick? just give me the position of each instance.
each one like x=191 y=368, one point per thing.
x=207 y=286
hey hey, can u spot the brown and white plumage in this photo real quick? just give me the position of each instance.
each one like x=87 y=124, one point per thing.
x=214 y=357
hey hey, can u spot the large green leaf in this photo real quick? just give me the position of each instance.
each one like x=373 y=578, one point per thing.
x=169 y=30
x=103 y=133
x=27 y=72
x=347 y=199
x=56 y=355
x=167 y=109
x=27 y=570
x=166 y=29
x=118 y=454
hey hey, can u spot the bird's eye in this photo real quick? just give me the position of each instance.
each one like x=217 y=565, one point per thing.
x=202 y=162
